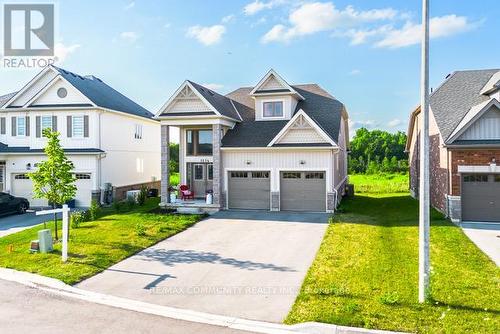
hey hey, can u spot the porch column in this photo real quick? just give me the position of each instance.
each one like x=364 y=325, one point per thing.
x=217 y=165
x=165 y=158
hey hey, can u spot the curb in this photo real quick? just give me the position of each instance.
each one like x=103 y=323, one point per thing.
x=57 y=287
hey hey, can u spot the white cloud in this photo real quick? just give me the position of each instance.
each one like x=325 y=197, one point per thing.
x=411 y=33
x=395 y=123
x=167 y=25
x=368 y=124
x=213 y=86
x=130 y=36
x=257 y=6
x=315 y=17
x=63 y=51
x=355 y=72
x=228 y=18
x=207 y=35
x=129 y=6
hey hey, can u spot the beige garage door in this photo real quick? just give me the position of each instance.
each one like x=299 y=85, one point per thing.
x=22 y=186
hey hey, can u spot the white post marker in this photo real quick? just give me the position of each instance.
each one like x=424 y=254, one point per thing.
x=65 y=227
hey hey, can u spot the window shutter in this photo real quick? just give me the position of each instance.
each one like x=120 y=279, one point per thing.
x=85 y=126
x=2 y=126
x=69 y=126
x=27 y=130
x=13 y=128
x=54 y=123
x=38 y=132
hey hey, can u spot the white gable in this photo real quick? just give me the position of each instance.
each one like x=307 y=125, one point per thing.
x=487 y=127
x=301 y=132
x=187 y=101
x=33 y=88
x=49 y=95
x=271 y=84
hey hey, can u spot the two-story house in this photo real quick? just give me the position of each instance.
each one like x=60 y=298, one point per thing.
x=108 y=137
x=464 y=127
x=273 y=146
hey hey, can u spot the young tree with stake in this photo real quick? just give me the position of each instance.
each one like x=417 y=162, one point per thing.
x=54 y=180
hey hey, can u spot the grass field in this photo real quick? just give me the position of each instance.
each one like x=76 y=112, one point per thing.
x=380 y=183
x=94 y=246
x=366 y=273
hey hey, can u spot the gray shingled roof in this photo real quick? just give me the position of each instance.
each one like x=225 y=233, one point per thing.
x=103 y=95
x=5 y=98
x=24 y=149
x=454 y=98
x=221 y=103
x=323 y=108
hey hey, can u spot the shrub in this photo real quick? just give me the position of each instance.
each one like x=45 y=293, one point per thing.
x=94 y=210
x=130 y=203
x=117 y=205
x=77 y=218
x=389 y=298
x=143 y=194
x=140 y=230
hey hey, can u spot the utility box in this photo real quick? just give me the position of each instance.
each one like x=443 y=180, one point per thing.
x=350 y=190
x=45 y=243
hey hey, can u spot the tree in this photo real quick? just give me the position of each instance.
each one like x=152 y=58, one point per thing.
x=174 y=158
x=53 y=179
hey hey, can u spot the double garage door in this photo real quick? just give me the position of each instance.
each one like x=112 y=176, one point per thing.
x=22 y=186
x=299 y=191
x=481 y=197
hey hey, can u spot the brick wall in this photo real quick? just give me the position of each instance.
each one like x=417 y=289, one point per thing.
x=415 y=167
x=469 y=157
x=120 y=193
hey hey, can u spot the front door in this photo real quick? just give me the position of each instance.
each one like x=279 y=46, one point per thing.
x=200 y=178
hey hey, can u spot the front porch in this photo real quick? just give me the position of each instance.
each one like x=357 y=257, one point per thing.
x=196 y=206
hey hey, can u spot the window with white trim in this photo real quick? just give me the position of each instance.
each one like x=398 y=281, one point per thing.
x=46 y=122
x=21 y=126
x=138 y=131
x=272 y=109
x=78 y=126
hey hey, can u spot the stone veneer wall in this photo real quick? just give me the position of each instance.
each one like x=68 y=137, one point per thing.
x=165 y=157
x=217 y=165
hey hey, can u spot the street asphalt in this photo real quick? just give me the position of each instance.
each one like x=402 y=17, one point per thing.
x=28 y=310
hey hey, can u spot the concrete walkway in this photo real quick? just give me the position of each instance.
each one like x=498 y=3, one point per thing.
x=242 y=264
x=486 y=236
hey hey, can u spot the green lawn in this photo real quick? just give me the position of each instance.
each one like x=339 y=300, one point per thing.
x=94 y=246
x=366 y=272
x=380 y=183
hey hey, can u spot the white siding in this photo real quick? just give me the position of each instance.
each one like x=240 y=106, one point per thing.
x=188 y=105
x=50 y=95
x=35 y=88
x=271 y=83
x=129 y=160
x=278 y=160
x=298 y=136
x=486 y=127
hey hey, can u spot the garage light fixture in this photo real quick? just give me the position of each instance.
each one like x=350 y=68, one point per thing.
x=248 y=162
x=28 y=166
x=302 y=162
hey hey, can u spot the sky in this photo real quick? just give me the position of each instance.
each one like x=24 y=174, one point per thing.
x=366 y=53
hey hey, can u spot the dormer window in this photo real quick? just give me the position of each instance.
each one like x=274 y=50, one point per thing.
x=273 y=109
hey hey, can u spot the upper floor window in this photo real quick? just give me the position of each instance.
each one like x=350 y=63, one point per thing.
x=21 y=126
x=46 y=122
x=78 y=126
x=273 y=109
x=199 y=142
x=138 y=131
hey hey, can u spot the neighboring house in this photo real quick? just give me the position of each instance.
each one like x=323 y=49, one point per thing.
x=273 y=147
x=108 y=137
x=464 y=146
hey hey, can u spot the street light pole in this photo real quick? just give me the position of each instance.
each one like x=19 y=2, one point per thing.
x=424 y=198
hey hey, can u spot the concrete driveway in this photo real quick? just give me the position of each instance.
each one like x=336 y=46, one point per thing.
x=486 y=236
x=235 y=263
x=15 y=223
